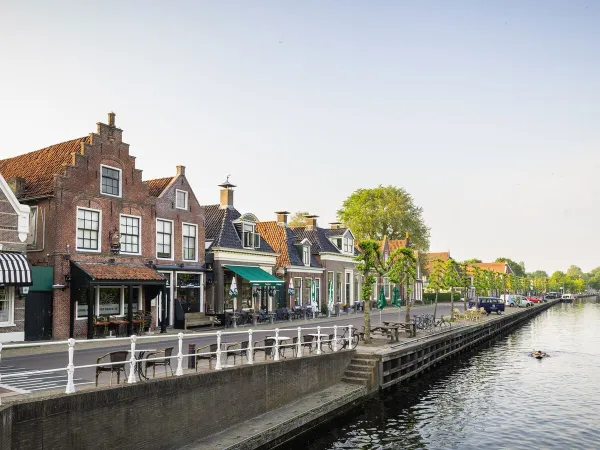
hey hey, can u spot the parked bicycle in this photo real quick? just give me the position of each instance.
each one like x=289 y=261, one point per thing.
x=342 y=340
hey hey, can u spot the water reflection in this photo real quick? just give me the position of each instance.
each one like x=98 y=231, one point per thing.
x=496 y=397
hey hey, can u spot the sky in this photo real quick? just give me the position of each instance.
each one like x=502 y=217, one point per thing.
x=485 y=112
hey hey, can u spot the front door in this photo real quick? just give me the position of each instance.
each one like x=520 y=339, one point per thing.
x=38 y=316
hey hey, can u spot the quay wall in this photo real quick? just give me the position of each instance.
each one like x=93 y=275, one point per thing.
x=166 y=413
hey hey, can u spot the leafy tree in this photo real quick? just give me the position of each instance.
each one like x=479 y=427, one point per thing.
x=538 y=274
x=517 y=267
x=385 y=211
x=465 y=281
x=594 y=280
x=401 y=268
x=480 y=282
x=574 y=272
x=558 y=280
x=472 y=261
x=298 y=219
x=452 y=280
x=437 y=280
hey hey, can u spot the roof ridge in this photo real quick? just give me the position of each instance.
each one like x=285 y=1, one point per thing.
x=45 y=148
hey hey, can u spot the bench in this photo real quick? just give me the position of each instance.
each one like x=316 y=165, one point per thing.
x=391 y=332
x=196 y=319
x=408 y=327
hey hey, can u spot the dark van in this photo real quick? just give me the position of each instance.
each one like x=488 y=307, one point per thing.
x=489 y=304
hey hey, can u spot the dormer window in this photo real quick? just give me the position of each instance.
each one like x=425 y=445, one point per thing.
x=306 y=255
x=250 y=239
x=348 y=245
x=110 y=182
x=181 y=199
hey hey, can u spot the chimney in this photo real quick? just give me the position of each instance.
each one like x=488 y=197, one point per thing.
x=282 y=217
x=111 y=119
x=226 y=194
x=335 y=225
x=311 y=222
x=17 y=185
x=180 y=170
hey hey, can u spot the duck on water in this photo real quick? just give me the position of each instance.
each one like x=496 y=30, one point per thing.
x=538 y=354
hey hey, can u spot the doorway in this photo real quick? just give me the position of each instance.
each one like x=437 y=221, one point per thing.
x=38 y=316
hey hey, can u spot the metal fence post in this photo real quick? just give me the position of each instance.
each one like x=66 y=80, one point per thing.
x=250 y=351
x=132 y=360
x=179 y=371
x=70 y=368
x=299 y=344
x=276 y=356
x=218 y=364
x=335 y=347
x=350 y=336
x=319 y=340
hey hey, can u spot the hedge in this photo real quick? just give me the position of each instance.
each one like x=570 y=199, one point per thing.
x=429 y=297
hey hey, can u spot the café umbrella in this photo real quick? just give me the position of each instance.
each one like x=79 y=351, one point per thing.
x=330 y=295
x=291 y=289
x=233 y=293
x=396 y=300
x=313 y=298
x=381 y=302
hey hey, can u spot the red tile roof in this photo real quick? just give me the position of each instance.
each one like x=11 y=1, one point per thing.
x=158 y=185
x=120 y=272
x=444 y=256
x=395 y=244
x=39 y=167
x=274 y=235
x=498 y=267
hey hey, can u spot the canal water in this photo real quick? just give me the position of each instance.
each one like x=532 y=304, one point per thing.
x=497 y=397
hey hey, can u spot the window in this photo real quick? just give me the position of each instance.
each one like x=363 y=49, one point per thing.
x=164 y=239
x=307 y=296
x=250 y=239
x=386 y=287
x=111 y=181
x=356 y=288
x=181 y=199
x=338 y=287
x=348 y=245
x=109 y=301
x=298 y=291
x=330 y=286
x=32 y=236
x=189 y=292
x=306 y=255
x=348 y=287
x=6 y=305
x=130 y=234
x=189 y=242
x=317 y=282
x=88 y=229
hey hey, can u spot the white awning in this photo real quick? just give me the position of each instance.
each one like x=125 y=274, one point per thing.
x=14 y=270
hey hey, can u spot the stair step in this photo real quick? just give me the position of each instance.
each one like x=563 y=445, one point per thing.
x=354 y=374
x=363 y=362
x=351 y=380
x=359 y=368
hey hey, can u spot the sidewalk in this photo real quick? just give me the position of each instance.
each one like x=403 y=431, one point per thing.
x=46 y=347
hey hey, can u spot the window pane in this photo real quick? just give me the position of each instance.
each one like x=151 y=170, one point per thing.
x=163 y=239
x=130 y=229
x=88 y=224
x=110 y=181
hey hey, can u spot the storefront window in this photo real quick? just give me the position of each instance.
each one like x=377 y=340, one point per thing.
x=298 y=291
x=307 y=291
x=137 y=300
x=386 y=287
x=189 y=291
x=318 y=290
x=356 y=287
x=348 y=276
x=338 y=287
x=82 y=304
x=110 y=301
x=246 y=295
x=6 y=305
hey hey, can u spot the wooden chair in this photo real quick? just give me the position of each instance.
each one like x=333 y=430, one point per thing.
x=101 y=322
x=293 y=346
x=166 y=353
x=138 y=323
x=307 y=341
x=114 y=357
x=208 y=352
x=268 y=347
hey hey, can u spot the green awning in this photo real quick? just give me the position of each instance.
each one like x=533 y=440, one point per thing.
x=255 y=275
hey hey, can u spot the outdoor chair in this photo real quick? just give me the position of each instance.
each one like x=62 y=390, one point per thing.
x=293 y=347
x=102 y=323
x=113 y=357
x=236 y=349
x=208 y=352
x=307 y=341
x=268 y=347
x=167 y=353
x=138 y=323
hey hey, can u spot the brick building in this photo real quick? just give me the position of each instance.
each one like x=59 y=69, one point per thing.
x=97 y=223
x=15 y=272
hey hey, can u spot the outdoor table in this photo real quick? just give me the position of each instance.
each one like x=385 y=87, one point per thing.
x=278 y=340
x=317 y=337
x=271 y=317
x=139 y=356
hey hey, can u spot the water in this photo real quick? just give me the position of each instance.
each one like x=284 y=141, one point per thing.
x=497 y=397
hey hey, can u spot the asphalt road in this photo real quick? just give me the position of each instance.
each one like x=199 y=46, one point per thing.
x=84 y=356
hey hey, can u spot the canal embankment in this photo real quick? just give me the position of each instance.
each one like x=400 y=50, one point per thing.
x=249 y=406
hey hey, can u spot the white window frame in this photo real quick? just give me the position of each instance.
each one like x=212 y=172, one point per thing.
x=183 y=224
x=348 y=288
x=317 y=282
x=187 y=196
x=306 y=255
x=120 y=181
x=252 y=234
x=170 y=258
x=201 y=287
x=298 y=291
x=387 y=293
x=10 y=298
x=139 y=218
x=332 y=282
x=99 y=249
x=33 y=220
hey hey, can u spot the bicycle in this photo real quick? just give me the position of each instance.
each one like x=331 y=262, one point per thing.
x=342 y=341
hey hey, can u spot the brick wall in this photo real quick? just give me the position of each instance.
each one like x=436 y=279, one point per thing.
x=168 y=413
x=5 y=427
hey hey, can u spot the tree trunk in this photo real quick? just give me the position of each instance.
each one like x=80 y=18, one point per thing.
x=367 y=317
x=435 y=306
x=407 y=296
x=451 y=303
x=465 y=298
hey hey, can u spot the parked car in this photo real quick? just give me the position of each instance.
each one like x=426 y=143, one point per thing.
x=534 y=299
x=552 y=295
x=516 y=300
x=489 y=304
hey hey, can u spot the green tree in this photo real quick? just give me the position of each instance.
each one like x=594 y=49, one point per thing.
x=465 y=281
x=472 y=261
x=517 y=267
x=437 y=280
x=401 y=268
x=385 y=211
x=557 y=281
x=368 y=261
x=538 y=274
x=574 y=272
x=480 y=282
x=298 y=219
x=452 y=280
x=594 y=279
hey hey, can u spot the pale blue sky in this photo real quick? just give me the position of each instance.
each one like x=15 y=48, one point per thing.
x=485 y=111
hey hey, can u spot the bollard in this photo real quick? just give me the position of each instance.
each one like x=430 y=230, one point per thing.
x=218 y=365
x=276 y=356
x=191 y=359
x=299 y=344
x=319 y=340
x=70 y=368
x=179 y=370
x=250 y=351
x=132 y=361
x=335 y=347
x=350 y=336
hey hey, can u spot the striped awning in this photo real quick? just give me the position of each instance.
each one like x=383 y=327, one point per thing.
x=14 y=270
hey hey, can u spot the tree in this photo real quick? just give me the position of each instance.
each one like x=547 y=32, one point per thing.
x=557 y=281
x=473 y=261
x=575 y=272
x=385 y=211
x=517 y=267
x=437 y=280
x=401 y=268
x=465 y=281
x=368 y=259
x=298 y=219
x=480 y=282
x=452 y=280
x=538 y=274
x=594 y=279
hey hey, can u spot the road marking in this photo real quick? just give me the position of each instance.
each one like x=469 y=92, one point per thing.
x=25 y=383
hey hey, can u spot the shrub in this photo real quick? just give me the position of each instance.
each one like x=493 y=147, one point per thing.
x=429 y=297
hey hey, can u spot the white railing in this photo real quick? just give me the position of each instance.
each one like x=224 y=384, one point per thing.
x=336 y=343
